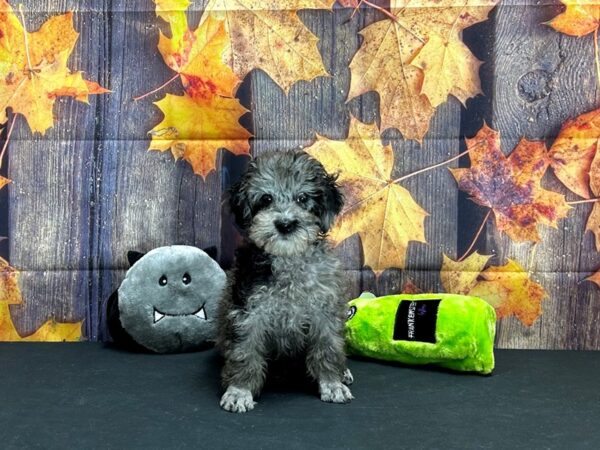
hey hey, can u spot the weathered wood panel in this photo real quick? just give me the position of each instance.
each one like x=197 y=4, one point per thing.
x=540 y=79
x=88 y=190
x=50 y=211
x=146 y=200
x=319 y=106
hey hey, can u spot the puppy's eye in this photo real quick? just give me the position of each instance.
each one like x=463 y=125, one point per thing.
x=187 y=279
x=163 y=280
x=266 y=200
x=302 y=198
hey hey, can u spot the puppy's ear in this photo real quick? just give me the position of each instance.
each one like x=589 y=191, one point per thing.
x=239 y=203
x=333 y=201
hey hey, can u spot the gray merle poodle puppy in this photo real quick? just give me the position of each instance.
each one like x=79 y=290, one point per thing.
x=285 y=298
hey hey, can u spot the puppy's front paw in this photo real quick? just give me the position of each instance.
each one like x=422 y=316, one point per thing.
x=237 y=400
x=334 y=392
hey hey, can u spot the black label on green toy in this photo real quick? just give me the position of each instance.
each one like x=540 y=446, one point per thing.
x=416 y=320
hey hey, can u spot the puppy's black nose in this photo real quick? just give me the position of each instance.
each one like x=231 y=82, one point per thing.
x=286 y=226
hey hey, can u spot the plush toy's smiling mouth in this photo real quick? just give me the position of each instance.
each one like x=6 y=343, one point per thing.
x=158 y=315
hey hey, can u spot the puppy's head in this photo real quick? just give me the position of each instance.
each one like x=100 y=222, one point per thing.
x=285 y=201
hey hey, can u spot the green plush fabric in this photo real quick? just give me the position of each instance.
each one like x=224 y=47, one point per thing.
x=463 y=330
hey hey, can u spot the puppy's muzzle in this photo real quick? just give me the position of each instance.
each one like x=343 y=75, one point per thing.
x=286 y=226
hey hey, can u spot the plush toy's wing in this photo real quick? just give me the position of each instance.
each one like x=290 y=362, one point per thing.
x=118 y=334
x=133 y=257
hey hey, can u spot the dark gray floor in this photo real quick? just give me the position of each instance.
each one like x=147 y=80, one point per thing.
x=89 y=396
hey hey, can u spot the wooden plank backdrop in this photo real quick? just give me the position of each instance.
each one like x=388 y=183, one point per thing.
x=88 y=191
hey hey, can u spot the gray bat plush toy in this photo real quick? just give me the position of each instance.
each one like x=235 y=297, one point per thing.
x=167 y=302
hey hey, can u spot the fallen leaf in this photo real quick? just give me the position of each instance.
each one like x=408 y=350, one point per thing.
x=10 y=294
x=449 y=68
x=50 y=331
x=511 y=186
x=510 y=291
x=411 y=288
x=33 y=68
x=507 y=288
x=411 y=85
x=3 y=181
x=595 y=278
x=581 y=17
x=9 y=284
x=459 y=277
x=269 y=35
x=198 y=57
x=383 y=213
x=574 y=149
x=195 y=129
x=593 y=223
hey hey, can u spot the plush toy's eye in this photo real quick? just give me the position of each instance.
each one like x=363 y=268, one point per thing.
x=351 y=312
x=163 y=280
x=187 y=279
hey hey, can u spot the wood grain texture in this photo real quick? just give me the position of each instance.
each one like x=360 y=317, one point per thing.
x=319 y=106
x=88 y=191
x=540 y=79
x=49 y=200
x=97 y=192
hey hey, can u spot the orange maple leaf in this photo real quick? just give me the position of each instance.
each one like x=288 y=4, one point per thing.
x=507 y=288
x=10 y=294
x=194 y=129
x=417 y=59
x=593 y=223
x=574 y=149
x=198 y=57
x=581 y=17
x=383 y=213
x=511 y=186
x=3 y=181
x=575 y=159
x=33 y=68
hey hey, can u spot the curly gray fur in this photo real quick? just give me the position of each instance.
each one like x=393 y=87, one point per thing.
x=285 y=296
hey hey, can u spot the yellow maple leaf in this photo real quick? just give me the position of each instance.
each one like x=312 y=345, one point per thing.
x=268 y=34
x=3 y=181
x=198 y=57
x=581 y=17
x=195 y=129
x=33 y=68
x=449 y=67
x=459 y=277
x=10 y=294
x=383 y=213
x=409 y=85
x=173 y=12
x=507 y=288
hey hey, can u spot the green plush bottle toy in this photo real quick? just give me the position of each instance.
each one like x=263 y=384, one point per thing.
x=452 y=331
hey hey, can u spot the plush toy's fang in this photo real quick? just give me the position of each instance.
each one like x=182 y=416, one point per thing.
x=158 y=316
x=201 y=314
